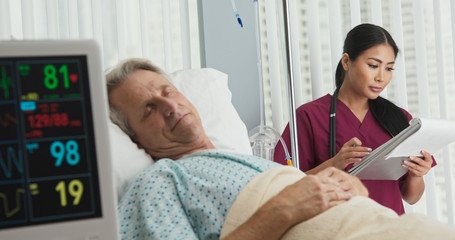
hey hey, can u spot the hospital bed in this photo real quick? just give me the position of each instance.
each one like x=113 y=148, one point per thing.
x=207 y=89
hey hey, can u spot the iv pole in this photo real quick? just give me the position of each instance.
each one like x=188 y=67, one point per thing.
x=292 y=117
x=263 y=138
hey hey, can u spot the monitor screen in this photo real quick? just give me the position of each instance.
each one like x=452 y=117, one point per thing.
x=49 y=166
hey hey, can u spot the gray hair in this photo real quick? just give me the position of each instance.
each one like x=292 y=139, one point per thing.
x=117 y=76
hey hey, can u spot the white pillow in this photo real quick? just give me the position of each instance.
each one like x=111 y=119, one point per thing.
x=208 y=90
x=127 y=158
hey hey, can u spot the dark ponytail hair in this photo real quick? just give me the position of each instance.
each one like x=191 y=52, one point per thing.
x=359 y=39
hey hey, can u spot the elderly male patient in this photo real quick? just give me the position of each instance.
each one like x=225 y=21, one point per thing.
x=194 y=191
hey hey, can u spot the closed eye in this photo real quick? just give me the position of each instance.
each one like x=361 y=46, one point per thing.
x=168 y=92
x=148 y=110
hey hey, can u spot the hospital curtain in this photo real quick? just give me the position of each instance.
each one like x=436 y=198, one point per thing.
x=422 y=79
x=163 y=31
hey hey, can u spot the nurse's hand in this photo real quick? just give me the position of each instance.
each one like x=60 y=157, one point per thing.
x=418 y=167
x=351 y=152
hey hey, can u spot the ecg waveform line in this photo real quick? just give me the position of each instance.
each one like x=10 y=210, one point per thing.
x=10 y=159
x=7 y=119
x=5 y=82
x=8 y=212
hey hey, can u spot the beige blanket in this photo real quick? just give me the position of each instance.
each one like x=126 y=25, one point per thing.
x=359 y=218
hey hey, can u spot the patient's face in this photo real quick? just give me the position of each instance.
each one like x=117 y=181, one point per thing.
x=166 y=124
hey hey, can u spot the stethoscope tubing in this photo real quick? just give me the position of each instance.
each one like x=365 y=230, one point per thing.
x=332 y=123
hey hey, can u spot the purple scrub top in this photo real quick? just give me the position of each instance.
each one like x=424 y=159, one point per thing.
x=313 y=139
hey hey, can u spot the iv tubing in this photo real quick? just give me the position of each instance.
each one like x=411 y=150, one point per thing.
x=259 y=63
x=237 y=15
x=288 y=157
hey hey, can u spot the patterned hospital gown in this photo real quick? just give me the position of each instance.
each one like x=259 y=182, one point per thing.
x=188 y=198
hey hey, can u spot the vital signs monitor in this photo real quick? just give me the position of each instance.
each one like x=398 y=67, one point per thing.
x=55 y=168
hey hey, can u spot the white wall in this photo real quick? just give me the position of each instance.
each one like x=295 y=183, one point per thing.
x=232 y=49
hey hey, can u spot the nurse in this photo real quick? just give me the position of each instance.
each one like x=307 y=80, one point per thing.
x=339 y=130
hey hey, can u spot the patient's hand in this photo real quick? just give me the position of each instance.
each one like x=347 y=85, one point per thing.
x=314 y=194
x=306 y=198
x=348 y=182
